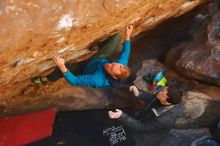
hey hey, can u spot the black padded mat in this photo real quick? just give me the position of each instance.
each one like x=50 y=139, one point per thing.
x=87 y=128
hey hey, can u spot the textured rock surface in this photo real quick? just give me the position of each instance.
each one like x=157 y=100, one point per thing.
x=200 y=58
x=33 y=31
x=200 y=109
x=65 y=97
x=184 y=137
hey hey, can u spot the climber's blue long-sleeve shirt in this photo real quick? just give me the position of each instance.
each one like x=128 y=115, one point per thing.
x=94 y=74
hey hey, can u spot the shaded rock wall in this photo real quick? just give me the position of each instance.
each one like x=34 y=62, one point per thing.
x=183 y=137
x=33 y=32
x=66 y=97
x=200 y=109
x=200 y=58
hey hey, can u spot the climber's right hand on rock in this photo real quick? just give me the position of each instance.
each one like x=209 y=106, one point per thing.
x=129 y=29
x=60 y=63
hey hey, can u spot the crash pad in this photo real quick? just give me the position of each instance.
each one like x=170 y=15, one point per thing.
x=87 y=128
x=27 y=128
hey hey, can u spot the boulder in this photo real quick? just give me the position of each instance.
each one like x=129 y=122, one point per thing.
x=199 y=58
x=32 y=32
x=66 y=97
x=200 y=109
x=183 y=137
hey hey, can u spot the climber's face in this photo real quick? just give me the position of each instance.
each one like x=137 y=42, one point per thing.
x=113 y=69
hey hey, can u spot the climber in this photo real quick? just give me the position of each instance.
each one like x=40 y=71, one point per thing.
x=151 y=127
x=99 y=71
